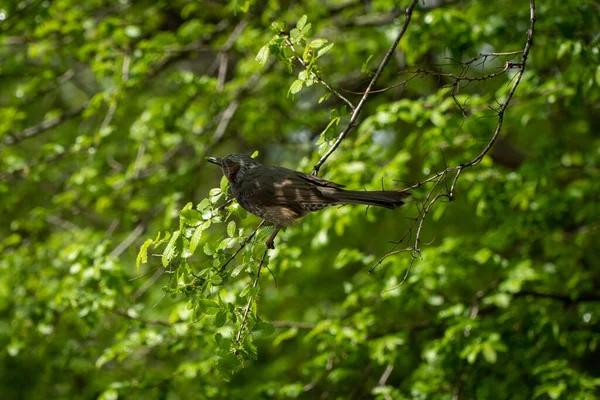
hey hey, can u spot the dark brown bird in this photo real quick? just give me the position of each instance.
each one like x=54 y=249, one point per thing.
x=280 y=195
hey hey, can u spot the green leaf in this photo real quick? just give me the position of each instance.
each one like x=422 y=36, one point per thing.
x=195 y=239
x=249 y=291
x=203 y=205
x=489 y=353
x=295 y=36
x=277 y=27
x=238 y=268
x=302 y=22
x=224 y=185
x=262 y=329
x=216 y=280
x=324 y=50
x=142 y=257
x=190 y=216
x=296 y=87
x=231 y=229
x=365 y=67
x=190 y=30
x=287 y=334
x=255 y=154
x=324 y=97
x=209 y=249
x=317 y=43
x=263 y=55
x=169 y=251
x=209 y=307
x=221 y=318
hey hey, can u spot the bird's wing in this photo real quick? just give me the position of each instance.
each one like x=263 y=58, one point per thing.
x=318 y=181
x=283 y=187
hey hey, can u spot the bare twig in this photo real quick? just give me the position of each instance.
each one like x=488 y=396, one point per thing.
x=44 y=126
x=293 y=324
x=352 y=123
x=242 y=245
x=62 y=223
x=142 y=320
x=148 y=284
x=431 y=199
x=128 y=241
x=384 y=377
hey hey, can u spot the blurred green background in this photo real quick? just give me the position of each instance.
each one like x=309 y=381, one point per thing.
x=107 y=109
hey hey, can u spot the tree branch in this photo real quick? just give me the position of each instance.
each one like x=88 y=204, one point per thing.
x=352 y=123
x=438 y=177
x=43 y=126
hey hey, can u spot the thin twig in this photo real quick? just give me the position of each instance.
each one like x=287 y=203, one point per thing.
x=251 y=298
x=242 y=245
x=128 y=241
x=292 y=324
x=438 y=177
x=44 y=125
x=142 y=320
x=319 y=78
x=352 y=123
x=148 y=284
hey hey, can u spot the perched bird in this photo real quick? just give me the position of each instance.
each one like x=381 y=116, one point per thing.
x=281 y=195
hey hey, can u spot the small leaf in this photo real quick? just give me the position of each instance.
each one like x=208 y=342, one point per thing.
x=249 y=291
x=263 y=55
x=142 y=257
x=295 y=35
x=221 y=318
x=190 y=216
x=195 y=240
x=324 y=50
x=231 y=229
x=209 y=307
x=209 y=249
x=365 y=67
x=317 y=43
x=204 y=204
x=324 y=97
x=255 y=154
x=302 y=22
x=288 y=334
x=216 y=280
x=169 y=251
x=489 y=353
x=277 y=27
x=296 y=87
x=224 y=184
x=263 y=329
x=238 y=268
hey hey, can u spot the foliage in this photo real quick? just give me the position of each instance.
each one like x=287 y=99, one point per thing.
x=128 y=272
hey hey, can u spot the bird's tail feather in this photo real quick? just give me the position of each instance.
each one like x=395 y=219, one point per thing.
x=387 y=199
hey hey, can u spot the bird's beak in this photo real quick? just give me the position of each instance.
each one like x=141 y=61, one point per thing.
x=213 y=160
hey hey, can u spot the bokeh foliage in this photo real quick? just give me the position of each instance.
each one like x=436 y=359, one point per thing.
x=108 y=109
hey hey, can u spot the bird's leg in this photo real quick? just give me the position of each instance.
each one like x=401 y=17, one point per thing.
x=271 y=238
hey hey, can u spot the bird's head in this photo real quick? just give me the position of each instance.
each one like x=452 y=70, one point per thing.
x=234 y=165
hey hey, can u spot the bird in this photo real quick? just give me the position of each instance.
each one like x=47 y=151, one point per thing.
x=280 y=195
